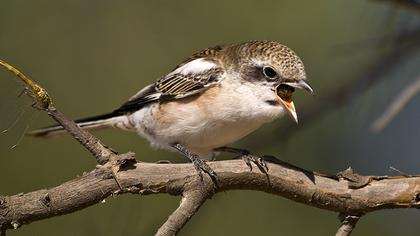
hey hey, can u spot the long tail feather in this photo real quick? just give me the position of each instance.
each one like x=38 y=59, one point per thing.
x=95 y=122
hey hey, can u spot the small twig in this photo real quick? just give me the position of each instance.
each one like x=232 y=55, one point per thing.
x=35 y=91
x=191 y=201
x=408 y=93
x=348 y=222
x=44 y=102
x=90 y=142
x=400 y=172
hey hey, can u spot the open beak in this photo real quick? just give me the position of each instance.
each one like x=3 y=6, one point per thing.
x=301 y=84
x=288 y=103
x=290 y=107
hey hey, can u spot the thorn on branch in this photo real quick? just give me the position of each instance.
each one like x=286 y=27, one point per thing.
x=348 y=223
x=401 y=172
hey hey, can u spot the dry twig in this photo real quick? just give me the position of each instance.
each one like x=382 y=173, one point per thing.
x=348 y=223
x=405 y=96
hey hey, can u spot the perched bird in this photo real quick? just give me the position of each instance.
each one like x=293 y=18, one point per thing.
x=212 y=99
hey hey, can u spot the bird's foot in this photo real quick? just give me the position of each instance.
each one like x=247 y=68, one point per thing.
x=259 y=161
x=247 y=157
x=199 y=165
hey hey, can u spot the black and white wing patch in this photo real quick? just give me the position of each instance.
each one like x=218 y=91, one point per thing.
x=190 y=78
x=145 y=96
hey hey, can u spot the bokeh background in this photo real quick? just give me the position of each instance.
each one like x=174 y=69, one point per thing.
x=92 y=55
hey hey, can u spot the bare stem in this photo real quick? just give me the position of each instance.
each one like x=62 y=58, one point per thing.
x=191 y=201
x=348 y=223
x=408 y=93
x=90 y=142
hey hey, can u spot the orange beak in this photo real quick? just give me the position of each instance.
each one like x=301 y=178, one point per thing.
x=290 y=107
x=288 y=104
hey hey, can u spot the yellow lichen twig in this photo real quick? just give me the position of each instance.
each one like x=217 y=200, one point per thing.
x=38 y=94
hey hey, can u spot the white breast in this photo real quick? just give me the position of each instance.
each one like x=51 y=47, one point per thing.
x=218 y=117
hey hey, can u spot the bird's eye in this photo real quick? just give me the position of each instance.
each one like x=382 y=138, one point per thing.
x=269 y=72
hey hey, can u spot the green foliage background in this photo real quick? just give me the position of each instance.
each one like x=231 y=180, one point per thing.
x=92 y=55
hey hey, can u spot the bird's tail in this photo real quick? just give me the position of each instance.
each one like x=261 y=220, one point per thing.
x=91 y=123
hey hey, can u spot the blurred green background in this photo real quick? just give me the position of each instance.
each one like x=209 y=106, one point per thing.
x=92 y=55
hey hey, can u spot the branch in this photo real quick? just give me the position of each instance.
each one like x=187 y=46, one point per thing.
x=348 y=223
x=43 y=101
x=338 y=194
x=405 y=96
x=192 y=199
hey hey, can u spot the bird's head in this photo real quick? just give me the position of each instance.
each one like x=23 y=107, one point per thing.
x=275 y=67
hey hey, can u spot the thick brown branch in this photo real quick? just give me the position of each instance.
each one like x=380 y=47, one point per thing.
x=299 y=185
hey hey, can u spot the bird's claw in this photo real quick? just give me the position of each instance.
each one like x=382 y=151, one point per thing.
x=259 y=161
x=201 y=166
x=247 y=157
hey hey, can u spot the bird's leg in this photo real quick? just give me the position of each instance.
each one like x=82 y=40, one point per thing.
x=246 y=156
x=199 y=164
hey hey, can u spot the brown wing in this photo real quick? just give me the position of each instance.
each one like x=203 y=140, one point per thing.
x=178 y=85
x=190 y=78
x=197 y=73
x=211 y=52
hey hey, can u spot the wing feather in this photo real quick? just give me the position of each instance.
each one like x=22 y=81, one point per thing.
x=193 y=76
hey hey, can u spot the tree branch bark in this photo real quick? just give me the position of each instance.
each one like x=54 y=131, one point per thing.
x=101 y=153
x=307 y=187
x=193 y=196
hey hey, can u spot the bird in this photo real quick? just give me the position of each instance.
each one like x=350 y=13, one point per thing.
x=212 y=99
